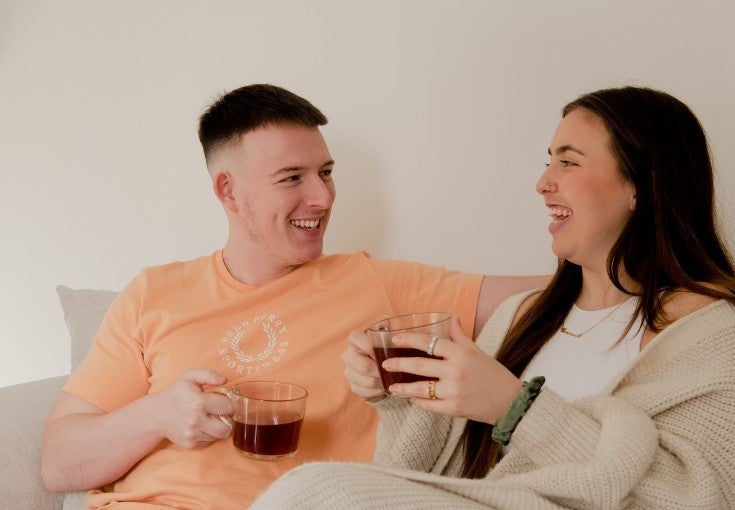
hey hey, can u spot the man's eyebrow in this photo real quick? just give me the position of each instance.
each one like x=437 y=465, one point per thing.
x=565 y=148
x=290 y=169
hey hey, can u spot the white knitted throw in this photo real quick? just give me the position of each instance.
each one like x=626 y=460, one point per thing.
x=662 y=435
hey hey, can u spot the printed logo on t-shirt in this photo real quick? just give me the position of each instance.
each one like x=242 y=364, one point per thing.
x=254 y=345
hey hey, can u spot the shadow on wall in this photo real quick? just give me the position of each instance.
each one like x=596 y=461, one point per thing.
x=359 y=218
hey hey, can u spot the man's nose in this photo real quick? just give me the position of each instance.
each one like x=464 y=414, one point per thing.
x=321 y=193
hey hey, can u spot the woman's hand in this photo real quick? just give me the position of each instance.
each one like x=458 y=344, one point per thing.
x=361 y=369
x=468 y=382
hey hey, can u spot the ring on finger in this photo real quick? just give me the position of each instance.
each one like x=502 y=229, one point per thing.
x=432 y=344
x=432 y=390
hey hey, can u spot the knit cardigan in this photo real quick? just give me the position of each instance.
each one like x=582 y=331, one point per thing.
x=661 y=435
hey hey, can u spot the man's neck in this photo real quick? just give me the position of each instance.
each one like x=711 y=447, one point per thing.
x=250 y=269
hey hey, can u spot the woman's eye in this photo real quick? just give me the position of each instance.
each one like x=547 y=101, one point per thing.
x=567 y=163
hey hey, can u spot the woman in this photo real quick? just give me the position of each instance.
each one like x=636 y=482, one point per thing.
x=635 y=336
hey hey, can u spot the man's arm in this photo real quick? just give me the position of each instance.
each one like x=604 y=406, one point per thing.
x=85 y=447
x=496 y=289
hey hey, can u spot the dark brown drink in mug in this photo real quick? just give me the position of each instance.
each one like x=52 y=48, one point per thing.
x=388 y=378
x=267 y=439
x=381 y=335
x=266 y=418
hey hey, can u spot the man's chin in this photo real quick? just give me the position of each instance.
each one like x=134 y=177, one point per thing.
x=310 y=255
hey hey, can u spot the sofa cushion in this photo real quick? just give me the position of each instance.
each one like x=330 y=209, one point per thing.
x=25 y=407
x=84 y=310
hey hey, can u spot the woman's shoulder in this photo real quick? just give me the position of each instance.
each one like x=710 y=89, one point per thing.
x=527 y=299
x=678 y=303
x=503 y=318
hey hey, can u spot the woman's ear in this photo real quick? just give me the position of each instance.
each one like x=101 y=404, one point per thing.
x=632 y=194
x=223 y=184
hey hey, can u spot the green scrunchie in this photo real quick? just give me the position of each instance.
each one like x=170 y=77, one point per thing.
x=505 y=426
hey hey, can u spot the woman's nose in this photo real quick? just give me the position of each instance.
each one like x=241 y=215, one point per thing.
x=545 y=184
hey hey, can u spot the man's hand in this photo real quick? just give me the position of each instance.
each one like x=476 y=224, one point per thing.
x=188 y=415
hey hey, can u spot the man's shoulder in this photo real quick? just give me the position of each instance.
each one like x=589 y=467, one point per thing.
x=340 y=259
x=180 y=267
x=383 y=267
x=405 y=268
x=175 y=273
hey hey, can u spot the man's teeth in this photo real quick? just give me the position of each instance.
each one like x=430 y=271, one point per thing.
x=305 y=223
x=558 y=214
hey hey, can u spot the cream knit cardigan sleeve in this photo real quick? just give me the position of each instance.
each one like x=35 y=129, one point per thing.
x=660 y=436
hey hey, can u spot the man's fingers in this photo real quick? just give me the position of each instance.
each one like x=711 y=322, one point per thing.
x=216 y=403
x=204 y=377
x=216 y=428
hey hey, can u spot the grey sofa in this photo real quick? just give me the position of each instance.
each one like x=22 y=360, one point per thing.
x=26 y=406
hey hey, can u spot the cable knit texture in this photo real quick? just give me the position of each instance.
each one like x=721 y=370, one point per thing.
x=662 y=435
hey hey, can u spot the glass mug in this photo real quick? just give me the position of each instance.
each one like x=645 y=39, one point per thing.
x=381 y=335
x=266 y=418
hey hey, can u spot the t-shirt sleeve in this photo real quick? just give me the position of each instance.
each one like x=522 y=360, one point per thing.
x=414 y=288
x=114 y=372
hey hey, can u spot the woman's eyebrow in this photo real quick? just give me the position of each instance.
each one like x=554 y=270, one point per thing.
x=565 y=148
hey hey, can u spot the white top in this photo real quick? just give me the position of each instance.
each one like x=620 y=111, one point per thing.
x=580 y=367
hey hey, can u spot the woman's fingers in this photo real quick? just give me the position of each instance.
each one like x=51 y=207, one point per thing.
x=360 y=342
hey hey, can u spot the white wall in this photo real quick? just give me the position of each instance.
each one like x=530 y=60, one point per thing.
x=440 y=115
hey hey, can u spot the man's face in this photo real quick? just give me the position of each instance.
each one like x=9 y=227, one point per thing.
x=282 y=195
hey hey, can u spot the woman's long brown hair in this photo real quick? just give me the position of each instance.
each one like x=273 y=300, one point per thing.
x=670 y=241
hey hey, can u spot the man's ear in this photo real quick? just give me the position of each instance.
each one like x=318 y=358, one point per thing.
x=223 y=184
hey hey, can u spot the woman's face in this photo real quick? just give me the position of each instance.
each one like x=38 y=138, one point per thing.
x=587 y=198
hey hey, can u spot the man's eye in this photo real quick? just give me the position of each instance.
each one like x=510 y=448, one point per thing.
x=291 y=178
x=326 y=174
x=568 y=163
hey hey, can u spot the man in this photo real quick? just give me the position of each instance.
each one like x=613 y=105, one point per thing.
x=138 y=418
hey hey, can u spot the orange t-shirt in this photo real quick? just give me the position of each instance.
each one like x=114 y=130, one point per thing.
x=194 y=314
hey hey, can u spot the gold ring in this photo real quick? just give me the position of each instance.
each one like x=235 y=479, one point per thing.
x=432 y=390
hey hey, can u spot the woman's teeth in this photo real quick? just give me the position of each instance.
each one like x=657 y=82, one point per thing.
x=558 y=214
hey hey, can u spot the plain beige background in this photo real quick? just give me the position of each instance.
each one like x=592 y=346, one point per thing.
x=440 y=116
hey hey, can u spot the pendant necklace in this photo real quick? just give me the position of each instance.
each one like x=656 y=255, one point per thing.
x=580 y=335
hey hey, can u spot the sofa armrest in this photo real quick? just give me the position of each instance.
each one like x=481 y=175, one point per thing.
x=25 y=408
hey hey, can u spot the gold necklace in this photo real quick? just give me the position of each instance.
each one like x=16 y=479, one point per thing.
x=580 y=335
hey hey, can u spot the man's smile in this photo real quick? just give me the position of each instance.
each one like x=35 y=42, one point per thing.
x=309 y=224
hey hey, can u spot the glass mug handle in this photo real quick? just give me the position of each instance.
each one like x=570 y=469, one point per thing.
x=227 y=420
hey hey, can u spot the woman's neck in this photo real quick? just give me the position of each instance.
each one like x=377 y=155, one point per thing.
x=598 y=291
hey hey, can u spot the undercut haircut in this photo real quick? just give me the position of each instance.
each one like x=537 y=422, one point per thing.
x=252 y=107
